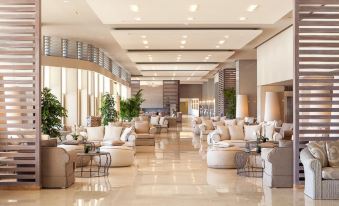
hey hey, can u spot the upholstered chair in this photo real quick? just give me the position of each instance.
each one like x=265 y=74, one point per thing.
x=144 y=133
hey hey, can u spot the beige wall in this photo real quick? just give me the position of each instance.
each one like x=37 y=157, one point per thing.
x=153 y=96
x=275 y=59
x=190 y=91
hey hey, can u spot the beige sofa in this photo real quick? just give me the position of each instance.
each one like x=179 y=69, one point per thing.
x=57 y=167
x=144 y=135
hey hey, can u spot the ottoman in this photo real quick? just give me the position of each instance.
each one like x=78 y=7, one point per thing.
x=222 y=157
x=121 y=156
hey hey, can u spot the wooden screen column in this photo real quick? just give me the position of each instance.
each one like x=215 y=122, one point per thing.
x=316 y=90
x=20 y=93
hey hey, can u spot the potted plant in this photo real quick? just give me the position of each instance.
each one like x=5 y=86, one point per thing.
x=131 y=107
x=108 y=112
x=230 y=97
x=51 y=113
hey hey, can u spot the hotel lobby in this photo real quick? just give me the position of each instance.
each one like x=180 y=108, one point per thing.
x=180 y=102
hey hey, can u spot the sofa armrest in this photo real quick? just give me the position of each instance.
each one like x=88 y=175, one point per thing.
x=202 y=127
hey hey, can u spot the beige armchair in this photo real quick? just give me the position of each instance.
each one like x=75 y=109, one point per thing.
x=57 y=167
x=144 y=133
x=278 y=171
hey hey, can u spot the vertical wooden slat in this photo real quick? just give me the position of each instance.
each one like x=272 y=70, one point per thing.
x=20 y=93
x=316 y=76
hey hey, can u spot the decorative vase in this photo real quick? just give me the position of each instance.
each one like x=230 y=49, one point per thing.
x=87 y=148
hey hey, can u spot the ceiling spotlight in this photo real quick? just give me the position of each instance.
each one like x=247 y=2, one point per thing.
x=137 y=19
x=155 y=74
x=143 y=36
x=183 y=42
x=134 y=7
x=190 y=18
x=145 y=42
x=153 y=78
x=188 y=78
x=174 y=74
x=209 y=55
x=252 y=7
x=66 y=1
x=242 y=18
x=172 y=78
x=193 y=8
x=221 y=41
x=184 y=36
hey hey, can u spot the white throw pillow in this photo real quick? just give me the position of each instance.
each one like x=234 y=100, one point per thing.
x=223 y=132
x=241 y=122
x=95 y=133
x=112 y=133
x=230 y=122
x=268 y=131
x=125 y=134
x=162 y=120
x=155 y=120
x=236 y=133
x=251 y=132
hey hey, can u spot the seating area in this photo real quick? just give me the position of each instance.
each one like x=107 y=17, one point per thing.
x=217 y=102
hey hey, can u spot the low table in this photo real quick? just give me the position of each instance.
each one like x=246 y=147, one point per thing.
x=249 y=164
x=94 y=170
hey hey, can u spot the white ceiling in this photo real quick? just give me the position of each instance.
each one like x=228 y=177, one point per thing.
x=195 y=39
x=177 y=11
x=176 y=67
x=180 y=56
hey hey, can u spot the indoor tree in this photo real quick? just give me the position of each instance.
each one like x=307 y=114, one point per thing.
x=131 y=107
x=230 y=97
x=52 y=113
x=108 y=112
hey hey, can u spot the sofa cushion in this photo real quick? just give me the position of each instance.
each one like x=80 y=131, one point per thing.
x=209 y=124
x=230 y=122
x=162 y=120
x=251 y=132
x=95 y=133
x=141 y=127
x=332 y=149
x=155 y=120
x=240 y=122
x=219 y=123
x=112 y=133
x=318 y=150
x=236 y=132
x=268 y=130
x=330 y=173
x=126 y=133
x=197 y=120
x=223 y=132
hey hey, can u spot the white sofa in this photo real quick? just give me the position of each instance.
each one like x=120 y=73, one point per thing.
x=160 y=122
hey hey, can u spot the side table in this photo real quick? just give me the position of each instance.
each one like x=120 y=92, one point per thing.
x=94 y=170
x=249 y=164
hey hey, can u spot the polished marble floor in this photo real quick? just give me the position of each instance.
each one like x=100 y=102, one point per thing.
x=175 y=174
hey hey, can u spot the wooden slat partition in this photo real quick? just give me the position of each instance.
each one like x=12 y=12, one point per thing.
x=20 y=93
x=227 y=80
x=316 y=80
x=171 y=93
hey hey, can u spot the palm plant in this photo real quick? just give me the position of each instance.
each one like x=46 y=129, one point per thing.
x=230 y=97
x=131 y=107
x=51 y=113
x=108 y=112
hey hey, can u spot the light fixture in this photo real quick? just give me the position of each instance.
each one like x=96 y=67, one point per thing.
x=193 y=7
x=226 y=36
x=217 y=46
x=188 y=78
x=190 y=18
x=183 y=42
x=66 y=1
x=155 y=74
x=149 y=55
x=242 y=18
x=143 y=36
x=134 y=7
x=241 y=106
x=207 y=57
x=184 y=36
x=272 y=107
x=137 y=19
x=252 y=7
x=145 y=42
x=221 y=41
x=174 y=74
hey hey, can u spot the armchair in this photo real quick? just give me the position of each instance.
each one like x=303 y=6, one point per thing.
x=278 y=171
x=144 y=134
x=195 y=125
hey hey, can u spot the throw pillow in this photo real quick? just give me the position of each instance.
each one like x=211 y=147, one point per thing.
x=141 y=127
x=95 y=133
x=112 y=133
x=143 y=118
x=241 y=122
x=230 y=122
x=125 y=134
x=155 y=120
x=268 y=130
x=236 y=133
x=223 y=132
x=117 y=143
x=162 y=120
x=197 y=120
x=332 y=149
x=208 y=124
x=251 y=132
x=219 y=123
x=318 y=150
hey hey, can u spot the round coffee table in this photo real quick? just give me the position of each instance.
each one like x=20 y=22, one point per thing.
x=249 y=164
x=93 y=170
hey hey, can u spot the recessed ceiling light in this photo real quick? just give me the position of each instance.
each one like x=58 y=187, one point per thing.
x=143 y=36
x=137 y=19
x=184 y=36
x=134 y=7
x=155 y=74
x=209 y=55
x=226 y=36
x=149 y=55
x=242 y=18
x=221 y=41
x=172 y=78
x=153 y=78
x=174 y=74
x=183 y=42
x=190 y=18
x=193 y=8
x=252 y=7
x=217 y=46
x=145 y=42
